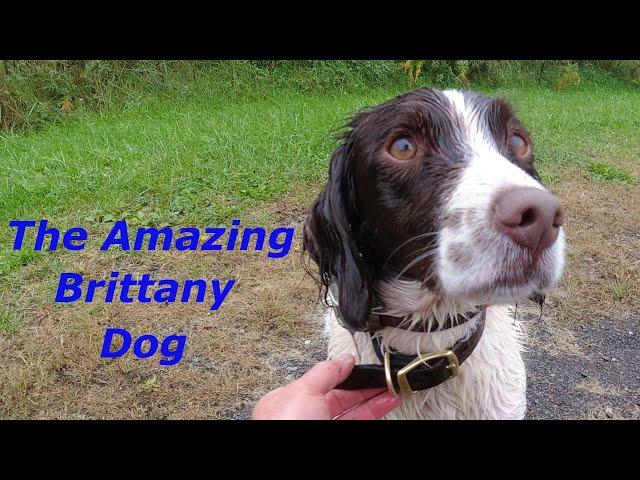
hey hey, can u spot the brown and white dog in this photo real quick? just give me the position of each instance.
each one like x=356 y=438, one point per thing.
x=433 y=207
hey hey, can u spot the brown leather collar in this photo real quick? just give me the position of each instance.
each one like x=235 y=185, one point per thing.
x=410 y=374
x=404 y=323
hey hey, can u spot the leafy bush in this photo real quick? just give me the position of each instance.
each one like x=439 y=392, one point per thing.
x=557 y=74
x=438 y=72
x=626 y=70
x=569 y=77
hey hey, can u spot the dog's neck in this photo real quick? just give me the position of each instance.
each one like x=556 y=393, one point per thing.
x=421 y=307
x=425 y=314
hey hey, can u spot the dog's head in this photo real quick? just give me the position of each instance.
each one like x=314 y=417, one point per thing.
x=437 y=187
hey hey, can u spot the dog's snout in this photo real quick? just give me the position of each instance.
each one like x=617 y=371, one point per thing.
x=529 y=216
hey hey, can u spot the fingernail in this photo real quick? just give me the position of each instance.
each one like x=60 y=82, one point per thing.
x=344 y=358
x=388 y=400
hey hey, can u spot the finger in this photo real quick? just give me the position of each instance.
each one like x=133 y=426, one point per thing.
x=324 y=376
x=374 y=408
x=339 y=401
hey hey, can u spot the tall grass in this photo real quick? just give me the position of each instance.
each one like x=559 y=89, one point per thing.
x=37 y=93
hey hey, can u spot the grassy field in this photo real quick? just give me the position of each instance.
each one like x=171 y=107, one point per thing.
x=208 y=158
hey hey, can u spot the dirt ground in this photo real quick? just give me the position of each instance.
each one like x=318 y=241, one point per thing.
x=600 y=380
x=583 y=361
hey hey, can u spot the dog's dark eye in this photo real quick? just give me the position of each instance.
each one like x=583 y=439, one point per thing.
x=519 y=144
x=402 y=149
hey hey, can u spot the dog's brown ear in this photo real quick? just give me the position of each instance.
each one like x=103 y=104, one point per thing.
x=330 y=240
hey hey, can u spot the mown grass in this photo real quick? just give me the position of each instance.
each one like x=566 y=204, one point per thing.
x=207 y=157
x=166 y=162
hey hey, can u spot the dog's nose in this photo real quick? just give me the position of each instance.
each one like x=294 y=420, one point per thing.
x=529 y=216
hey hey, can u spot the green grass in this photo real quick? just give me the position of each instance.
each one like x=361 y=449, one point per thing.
x=185 y=161
x=202 y=159
x=621 y=290
x=9 y=323
x=572 y=127
x=35 y=91
x=608 y=172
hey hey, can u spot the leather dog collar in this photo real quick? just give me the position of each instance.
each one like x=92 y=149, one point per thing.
x=400 y=322
x=410 y=374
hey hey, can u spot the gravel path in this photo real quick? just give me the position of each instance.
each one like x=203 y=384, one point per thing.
x=598 y=379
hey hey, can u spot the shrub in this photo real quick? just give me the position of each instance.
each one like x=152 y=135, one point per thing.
x=569 y=77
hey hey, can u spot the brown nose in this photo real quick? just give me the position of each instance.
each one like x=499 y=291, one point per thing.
x=529 y=216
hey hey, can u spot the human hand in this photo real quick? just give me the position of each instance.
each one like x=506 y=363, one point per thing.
x=313 y=397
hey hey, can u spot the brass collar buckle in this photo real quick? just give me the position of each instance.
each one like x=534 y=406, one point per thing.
x=403 y=382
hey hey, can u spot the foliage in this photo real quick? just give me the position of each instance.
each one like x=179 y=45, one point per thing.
x=37 y=93
x=569 y=77
x=556 y=74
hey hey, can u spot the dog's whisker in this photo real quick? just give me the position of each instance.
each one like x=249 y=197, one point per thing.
x=420 y=250
x=417 y=237
x=416 y=260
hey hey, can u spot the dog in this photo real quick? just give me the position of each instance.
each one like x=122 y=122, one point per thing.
x=433 y=223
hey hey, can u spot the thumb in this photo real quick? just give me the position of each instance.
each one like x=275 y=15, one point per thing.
x=324 y=376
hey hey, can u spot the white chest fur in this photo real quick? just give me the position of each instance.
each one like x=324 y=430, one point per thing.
x=491 y=383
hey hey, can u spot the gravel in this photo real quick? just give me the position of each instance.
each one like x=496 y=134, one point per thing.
x=604 y=383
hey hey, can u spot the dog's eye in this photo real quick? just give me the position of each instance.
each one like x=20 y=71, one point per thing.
x=403 y=149
x=519 y=144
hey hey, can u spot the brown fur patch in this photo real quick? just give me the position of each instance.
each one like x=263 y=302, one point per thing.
x=458 y=255
x=454 y=220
